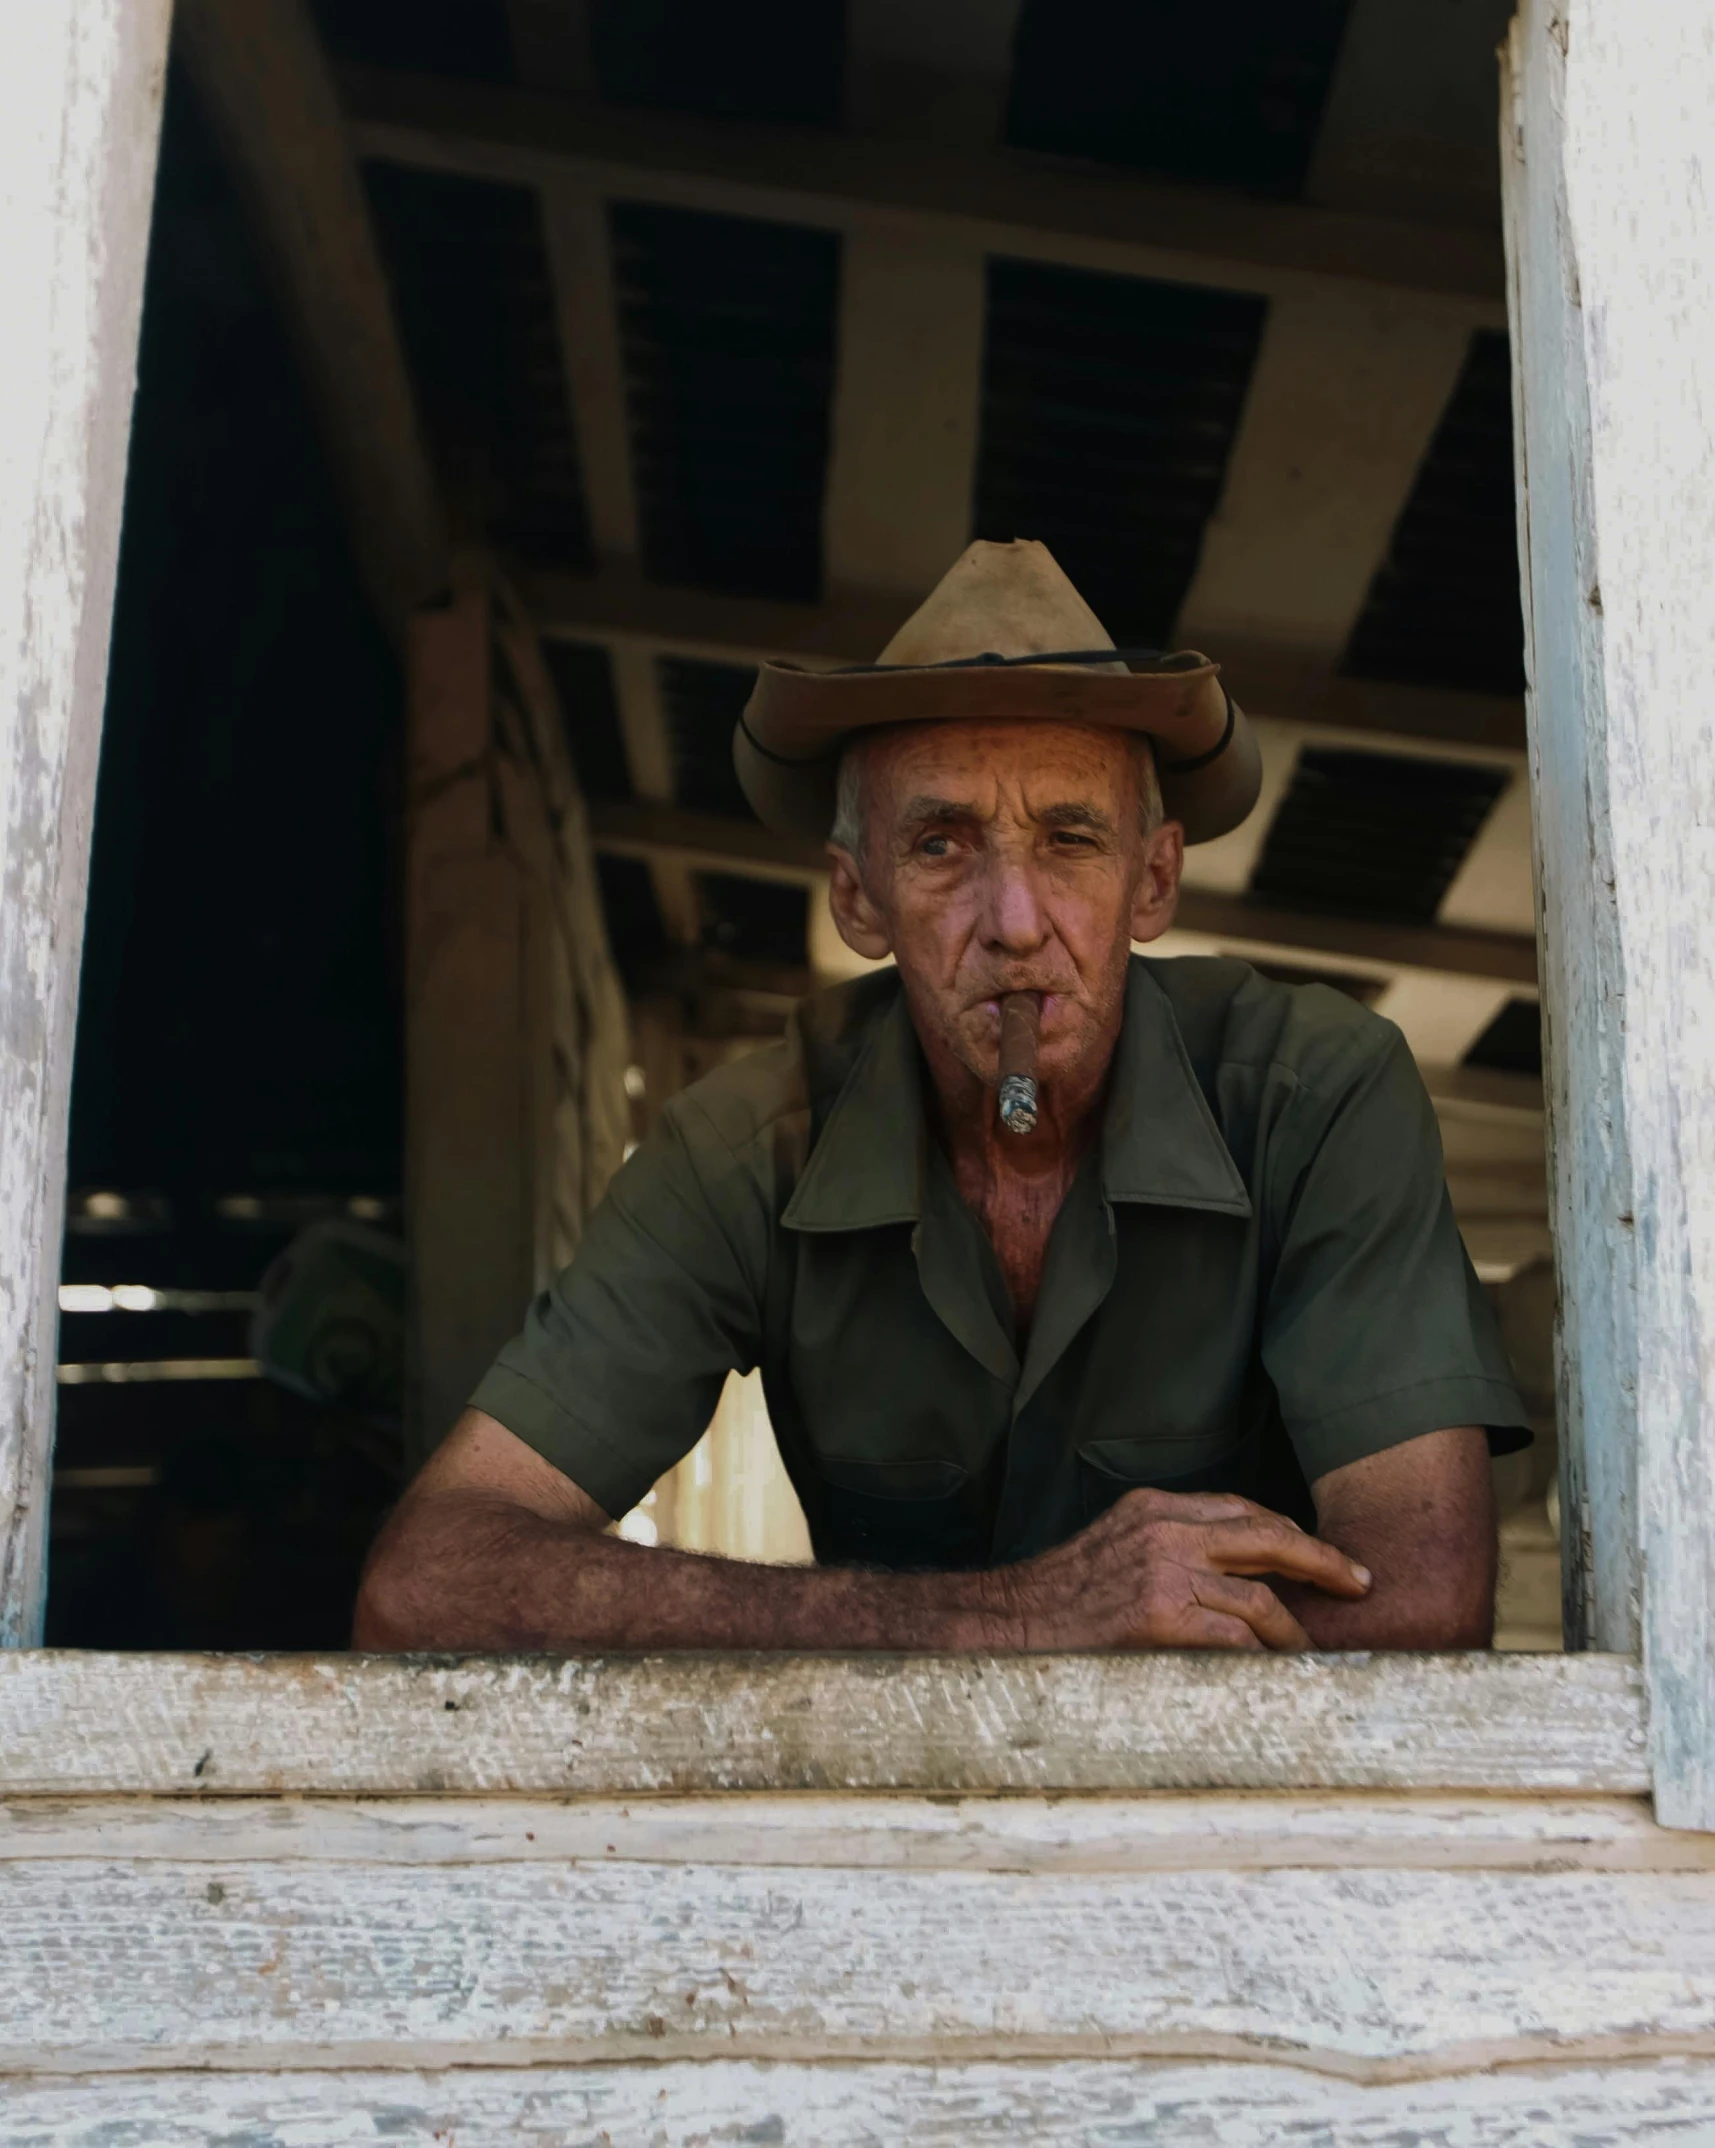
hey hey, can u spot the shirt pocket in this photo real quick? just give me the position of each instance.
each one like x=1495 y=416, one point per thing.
x=902 y=1514
x=1200 y=1462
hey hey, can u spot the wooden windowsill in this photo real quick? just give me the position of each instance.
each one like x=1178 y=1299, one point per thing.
x=75 y=1723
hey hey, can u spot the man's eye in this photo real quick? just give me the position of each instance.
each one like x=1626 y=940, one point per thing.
x=936 y=846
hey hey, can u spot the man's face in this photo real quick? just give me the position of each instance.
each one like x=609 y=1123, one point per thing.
x=1007 y=857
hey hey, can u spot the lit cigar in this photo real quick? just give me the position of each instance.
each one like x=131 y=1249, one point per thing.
x=1020 y=1019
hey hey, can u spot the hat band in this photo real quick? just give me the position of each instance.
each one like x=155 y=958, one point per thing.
x=1202 y=760
x=780 y=760
x=1192 y=767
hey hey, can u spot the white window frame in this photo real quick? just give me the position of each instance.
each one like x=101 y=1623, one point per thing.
x=1612 y=302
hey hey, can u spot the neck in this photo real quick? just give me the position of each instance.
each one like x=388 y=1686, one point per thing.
x=967 y=1116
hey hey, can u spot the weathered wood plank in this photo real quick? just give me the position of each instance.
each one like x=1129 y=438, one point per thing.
x=471 y=1055
x=1582 y=971
x=1612 y=216
x=1031 y=208
x=856 y=2106
x=907 y=390
x=80 y=112
x=685 y=2106
x=72 y=1722
x=1640 y=85
x=1211 y=1831
x=1367 y=1973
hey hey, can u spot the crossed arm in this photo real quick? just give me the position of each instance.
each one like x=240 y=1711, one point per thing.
x=492 y=1548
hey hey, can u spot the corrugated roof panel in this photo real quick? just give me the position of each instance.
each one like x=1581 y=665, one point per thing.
x=582 y=672
x=728 y=329
x=1373 y=834
x=748 y=59
x=1229 y=94
x=1512 y=1043
x=469 y=39
x=1108 y=411
x=702 y=703
x=1444 y=607
x=471 y=281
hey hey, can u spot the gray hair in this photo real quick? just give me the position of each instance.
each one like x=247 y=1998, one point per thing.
x=848 y=829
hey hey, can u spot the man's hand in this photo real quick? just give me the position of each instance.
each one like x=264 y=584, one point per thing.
x=493 y=1548
x=1170 y=1570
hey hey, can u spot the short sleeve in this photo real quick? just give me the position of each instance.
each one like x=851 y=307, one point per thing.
x=1375 y=1329
x=621 y=1362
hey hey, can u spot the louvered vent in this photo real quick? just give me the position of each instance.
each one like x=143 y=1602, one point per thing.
x=755 y=920
x=583 y=677
x=635 y=932
x=746 y=59
x=471 y=282
x=1230 y=95
x=702 y=703
x=1512 y=1043
x=1109 y=407
x=1373 y=834
x=728 y=329
x=465 y=39
x=1443 y=609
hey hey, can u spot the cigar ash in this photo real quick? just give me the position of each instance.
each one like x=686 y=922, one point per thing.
x=1020 y=1025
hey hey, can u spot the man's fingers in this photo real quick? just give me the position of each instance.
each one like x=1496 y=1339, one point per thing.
x=1259 y=1607
x=1276 y=1547
x=1215 y=1629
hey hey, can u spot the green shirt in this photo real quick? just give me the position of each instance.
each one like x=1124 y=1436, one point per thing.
x=1255 y=1278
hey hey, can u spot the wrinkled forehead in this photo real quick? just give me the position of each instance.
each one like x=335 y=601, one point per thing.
x=986 y=765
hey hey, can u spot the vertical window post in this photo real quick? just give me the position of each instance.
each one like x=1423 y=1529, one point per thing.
x=1610 y=199
x=80 y=115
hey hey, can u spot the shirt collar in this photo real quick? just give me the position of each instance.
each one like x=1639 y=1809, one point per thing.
x=866 y=1168
x=1160 y=1143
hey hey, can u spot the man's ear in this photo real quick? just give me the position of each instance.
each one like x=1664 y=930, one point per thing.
x=1156 y=899
x=857 y=920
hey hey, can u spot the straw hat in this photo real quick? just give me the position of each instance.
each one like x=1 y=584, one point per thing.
x=1003 y=636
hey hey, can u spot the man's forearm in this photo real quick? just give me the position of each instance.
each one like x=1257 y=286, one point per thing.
x=460 y=1570
x=1397 y=1619
x=1433 y=1594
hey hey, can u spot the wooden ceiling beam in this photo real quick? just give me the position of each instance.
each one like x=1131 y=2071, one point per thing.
x=1343 y=403
x=267 y=93
x=619 y=608
x=552 y=42
x=706 y=843
x=997 y=201
x=906 y=412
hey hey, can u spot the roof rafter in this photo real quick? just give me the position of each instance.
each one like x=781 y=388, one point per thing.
x=618 y=607
x=1000 y=201
x=259 y=70
x=708 y=843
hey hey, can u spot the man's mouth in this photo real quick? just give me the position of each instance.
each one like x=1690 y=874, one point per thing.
x=1046 y=999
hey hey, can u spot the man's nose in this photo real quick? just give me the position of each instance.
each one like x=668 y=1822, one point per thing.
x=1014 y=918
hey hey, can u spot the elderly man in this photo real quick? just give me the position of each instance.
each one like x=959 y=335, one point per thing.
x=1090 y=1379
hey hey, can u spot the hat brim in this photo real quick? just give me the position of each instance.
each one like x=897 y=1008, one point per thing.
x=787 y=745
